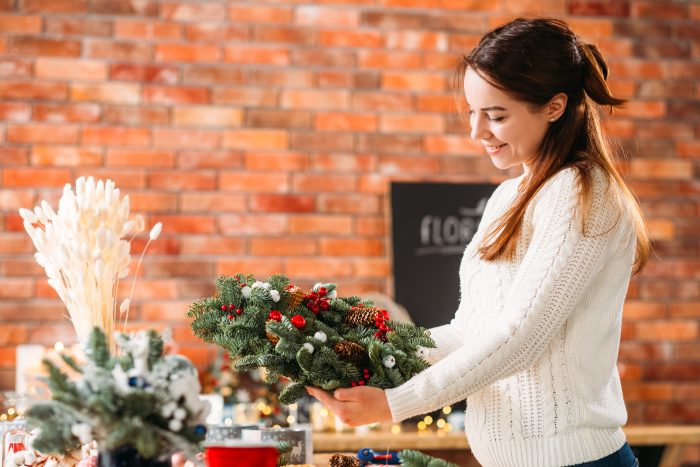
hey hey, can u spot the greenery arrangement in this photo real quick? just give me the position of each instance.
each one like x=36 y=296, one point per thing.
x=406 y=458
x=139 y=399
x=411 y=458
x=313 y=338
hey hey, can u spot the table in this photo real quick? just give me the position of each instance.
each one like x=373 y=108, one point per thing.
x=672 y=439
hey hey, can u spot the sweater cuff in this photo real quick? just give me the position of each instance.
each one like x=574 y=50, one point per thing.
x=402 y=401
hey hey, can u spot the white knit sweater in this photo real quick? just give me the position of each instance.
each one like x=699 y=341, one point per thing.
x=533 y=345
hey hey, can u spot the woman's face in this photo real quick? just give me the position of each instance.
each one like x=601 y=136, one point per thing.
x=510 y=130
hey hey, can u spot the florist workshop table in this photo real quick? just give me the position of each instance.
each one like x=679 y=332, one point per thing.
x=671 y=439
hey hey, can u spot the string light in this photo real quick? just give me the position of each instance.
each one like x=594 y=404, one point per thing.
x=422 y=426
x=396 y=429
x=428 y=420
x=447 y=410
x=58 y=347
x=441 y=423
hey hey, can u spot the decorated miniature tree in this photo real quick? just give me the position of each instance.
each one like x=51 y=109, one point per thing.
x=314 y=338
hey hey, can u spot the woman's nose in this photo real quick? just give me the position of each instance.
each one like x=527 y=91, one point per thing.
x=479 y=129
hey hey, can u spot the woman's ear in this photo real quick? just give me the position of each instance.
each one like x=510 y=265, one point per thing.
x=556 y=107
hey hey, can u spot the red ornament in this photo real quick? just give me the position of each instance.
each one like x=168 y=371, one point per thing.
x=298 y=321
x=239 y=311
x=230 y=316
x=275 y=315
x=223 y=307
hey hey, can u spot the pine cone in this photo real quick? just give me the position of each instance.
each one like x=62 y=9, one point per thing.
x=339 y=460
x=350 y=351
x=296 y=296
x=271 y=337
x=363 y=316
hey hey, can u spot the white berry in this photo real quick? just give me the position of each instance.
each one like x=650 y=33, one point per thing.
x=320 y=336
x=275 y=295
x=175 y=425
x=246 y=291
x=180 y=413
x=309 y=348
x=389 y=361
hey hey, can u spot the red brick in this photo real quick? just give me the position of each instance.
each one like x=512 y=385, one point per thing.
x=452 y=144
x=122 y=51
x=15 y=24
x=34 y=91
x=656 y=11
x=13 y=334
x=285 y=35
x=286 y=78
x=82 y=26
x=179 y=138
x=437 y=103
x=216 y=32
x=314 y=100
x=247 y=55
x=175 y=95
x=12 y=200
x=290 y=161
x=315 y=224
x=344 y=162
x=416 y=40
x=182 y=180
x=207 y=116
x=636 y=69
x=388 y=60
x=196 y=12
x=429 y=82
x=62 y=113
x=636 y=351
x=187 y=53
x=253 y=182
x=17 y=243
x=309 y=268
x=152 y=202
x=139 y=158
x=282 y=203
x=685 y=310
x=257 y=267
x=351 y=247
x=136 y=116
x=40 y=133
x=660 y=229
x=663 y=169
x=199 y=74
x=15 y=67
x=211 y=245
x=208 y=159
x=343 y=79
x=278 y=119
x=212 y=202
x=647 y=391
x=351 y=39
x=147 y=30
x=260 y=14
x=48 y=334
x=118 y=93
x=348 y=204
x=598 y=8
x=163 y=311
x=412 y=124
x=331 y=58
x=144 y=73
x=35 y=177
x=311 y=183
x=637 y=311
x=188 y=224
x=15 y=111
x=65 y=156
x=326 y=142
x=116 y=136
x=378 y=101
x=245 y=97
x=252 y=224
x=54 y=6
x=16 y=288
x=276 y=246
x=308 y=15
x=371 y=226
x=124 y=179
x=29 y=45
x=336 y=121
x=668 y=330
x=643 y=109
x=405 y=164
x=391 y=20
x=67 y=69
x=255 y=139
x=14 y=156
x=149 y=289
x=117 y=7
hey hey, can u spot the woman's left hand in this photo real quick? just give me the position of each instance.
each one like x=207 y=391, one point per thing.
x=355 y=406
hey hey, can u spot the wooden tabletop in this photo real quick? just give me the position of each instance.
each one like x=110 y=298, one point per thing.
x=341 y=442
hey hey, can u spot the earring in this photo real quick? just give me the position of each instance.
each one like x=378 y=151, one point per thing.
x=552 y=120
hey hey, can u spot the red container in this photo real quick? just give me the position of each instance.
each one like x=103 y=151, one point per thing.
x=243 y=455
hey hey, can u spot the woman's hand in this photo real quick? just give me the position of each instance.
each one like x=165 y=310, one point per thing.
x=355 y=406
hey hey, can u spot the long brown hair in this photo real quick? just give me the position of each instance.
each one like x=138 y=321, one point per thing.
x=532 y=60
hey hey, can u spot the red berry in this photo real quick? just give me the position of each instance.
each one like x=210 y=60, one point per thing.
x=223 y=307
x=230 y=306
x=378 y=334
x=386 y=314
x=230 y=316
x=384 y=328
x=275 y=315
x=298 y=321
x=361 y=383
x=353 y=383
x=239 y=311
x=322 y=291
x=325 y=305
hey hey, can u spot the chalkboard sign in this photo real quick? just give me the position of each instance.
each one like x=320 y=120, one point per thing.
x=431 y=225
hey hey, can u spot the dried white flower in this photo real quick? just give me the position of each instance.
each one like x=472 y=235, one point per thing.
x=275 y=295
x=175 y=425
x=180 y=413
x=320 y=336
x=308 y=347
x=246 y=291
x=155 y=231
x=124 y=307
x=82 y=431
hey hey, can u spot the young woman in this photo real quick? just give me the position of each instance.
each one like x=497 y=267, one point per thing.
x=533 y=345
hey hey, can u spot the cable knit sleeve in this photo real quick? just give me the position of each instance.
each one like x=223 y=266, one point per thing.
x=557 y=266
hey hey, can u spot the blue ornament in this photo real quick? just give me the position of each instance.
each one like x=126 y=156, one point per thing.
x=134 y=381
x=200 y=430
x=368 y=456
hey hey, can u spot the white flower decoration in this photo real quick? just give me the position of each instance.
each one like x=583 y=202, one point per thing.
x=308 y=347
x=275 y=295
x=320 y=336
x=246 y=291
x=389 y=361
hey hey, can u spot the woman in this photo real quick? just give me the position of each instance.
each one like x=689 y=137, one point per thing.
x=534 y=342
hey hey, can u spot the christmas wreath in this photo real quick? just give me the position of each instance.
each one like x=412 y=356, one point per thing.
x=313 y=338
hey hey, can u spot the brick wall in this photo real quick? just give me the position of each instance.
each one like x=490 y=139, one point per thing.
x=264 y=135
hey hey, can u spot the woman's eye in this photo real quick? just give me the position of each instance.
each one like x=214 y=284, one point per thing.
x=496 y=119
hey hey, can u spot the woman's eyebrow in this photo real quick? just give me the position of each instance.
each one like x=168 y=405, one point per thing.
x=495 y=107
